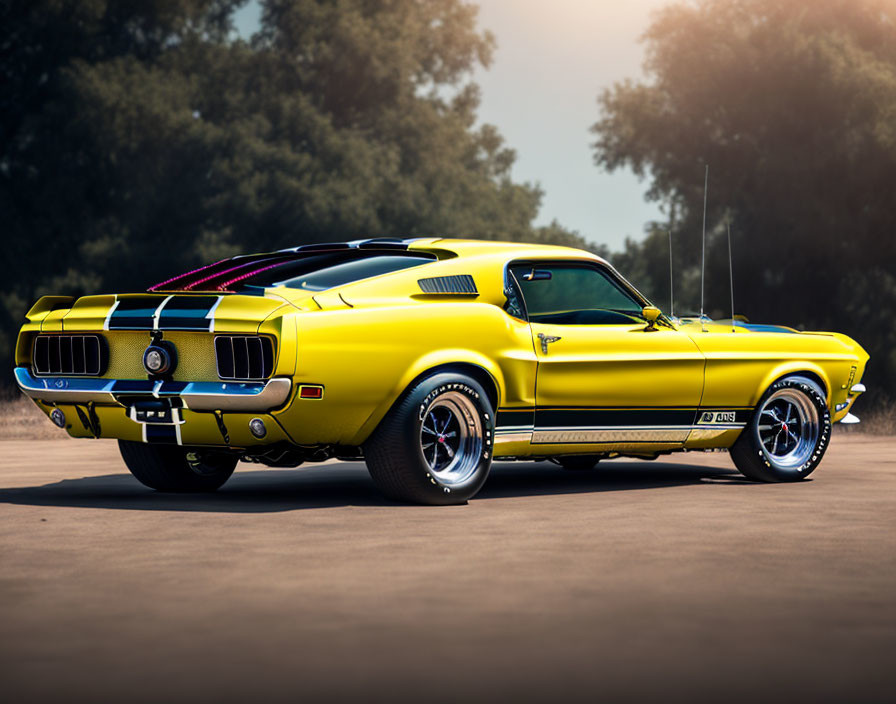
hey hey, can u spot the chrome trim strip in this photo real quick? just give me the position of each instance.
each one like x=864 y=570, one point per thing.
x=196 y=395
x=712 y=432
x=615 y=433
x=581 y=435
x=514 y=429
x=508 y=438
x=576 y=428
x=71 y=389
x=236 y=396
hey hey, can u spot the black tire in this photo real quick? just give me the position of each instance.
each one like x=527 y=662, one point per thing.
x=398 y=457
x=579 y=463
x=177 y=469
x=760 y=463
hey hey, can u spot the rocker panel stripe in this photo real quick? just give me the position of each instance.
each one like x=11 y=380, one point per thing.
x=633 y=419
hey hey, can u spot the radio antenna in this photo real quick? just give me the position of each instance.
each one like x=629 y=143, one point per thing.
x=703 y=255
x=731 y=274
x=671 y=285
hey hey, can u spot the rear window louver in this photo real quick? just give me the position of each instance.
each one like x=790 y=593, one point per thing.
x=69 y=355
x=244 y=357
x=462 y=284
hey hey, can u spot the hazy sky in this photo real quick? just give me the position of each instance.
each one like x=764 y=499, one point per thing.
x=552 y=60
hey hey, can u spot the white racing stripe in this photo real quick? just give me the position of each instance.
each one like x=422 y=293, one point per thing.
x=155 y=317
x=211 y=314
x=109 y=314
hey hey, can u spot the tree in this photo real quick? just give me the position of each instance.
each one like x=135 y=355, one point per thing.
x=142 y=138
x=792 y=105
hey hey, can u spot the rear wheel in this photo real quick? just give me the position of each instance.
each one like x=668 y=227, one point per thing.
x=174 y=468
x=579 y=463
x=435 y=445
x=788 y=434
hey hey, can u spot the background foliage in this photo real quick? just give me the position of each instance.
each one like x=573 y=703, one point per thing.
x=140 y=137
x=793 y=105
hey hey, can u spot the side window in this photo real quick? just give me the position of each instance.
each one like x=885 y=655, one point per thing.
x=514 y=305
x=574 y=295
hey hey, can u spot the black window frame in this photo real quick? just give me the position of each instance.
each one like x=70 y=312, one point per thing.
x=512 y=286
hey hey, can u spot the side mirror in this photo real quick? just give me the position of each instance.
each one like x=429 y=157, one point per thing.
x=650 y=314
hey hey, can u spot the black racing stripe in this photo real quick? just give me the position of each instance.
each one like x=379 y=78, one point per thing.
x=514 y=416
x=135 y=313
x=611 y=417
x=187 y=313
x=161 y=434
x=125 y=386
x=577 y=417
x=172 y=387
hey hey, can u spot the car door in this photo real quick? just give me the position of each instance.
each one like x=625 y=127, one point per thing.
x=604 y=374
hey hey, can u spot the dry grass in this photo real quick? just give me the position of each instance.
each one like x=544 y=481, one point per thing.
x=20 y=419
x=879 y=421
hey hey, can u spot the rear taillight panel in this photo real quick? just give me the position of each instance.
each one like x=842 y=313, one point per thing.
x=244 y=357
x=69 y=355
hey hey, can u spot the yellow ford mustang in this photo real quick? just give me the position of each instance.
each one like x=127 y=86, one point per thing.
x=429 y=358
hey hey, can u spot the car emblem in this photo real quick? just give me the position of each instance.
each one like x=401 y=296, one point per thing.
x=546 y=340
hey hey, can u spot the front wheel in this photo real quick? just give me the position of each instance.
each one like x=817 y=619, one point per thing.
x=174 y=468
x=435 y=445
x=788 y=434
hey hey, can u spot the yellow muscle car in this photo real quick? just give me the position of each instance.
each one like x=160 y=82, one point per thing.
x=428 y=358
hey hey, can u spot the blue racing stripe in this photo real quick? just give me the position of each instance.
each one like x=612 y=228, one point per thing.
x=134 y=313
x=187 y=313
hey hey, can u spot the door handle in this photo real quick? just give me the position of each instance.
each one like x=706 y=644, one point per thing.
x=546 y=340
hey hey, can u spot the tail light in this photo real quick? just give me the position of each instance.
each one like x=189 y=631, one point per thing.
x=244 y=357
x=69 y=355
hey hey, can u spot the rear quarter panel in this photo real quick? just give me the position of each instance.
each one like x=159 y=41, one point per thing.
x=367 y=356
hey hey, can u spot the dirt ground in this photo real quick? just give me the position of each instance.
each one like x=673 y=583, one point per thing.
x=671 y=579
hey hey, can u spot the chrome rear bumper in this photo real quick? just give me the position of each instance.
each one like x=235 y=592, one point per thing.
x=231 y=396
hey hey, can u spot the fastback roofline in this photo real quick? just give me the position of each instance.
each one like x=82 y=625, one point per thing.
x=190 y=279
x=371 y=243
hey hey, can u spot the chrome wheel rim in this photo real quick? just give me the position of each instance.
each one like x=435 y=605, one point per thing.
x=203 y=464
x=451 y=438
x=788 y=428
